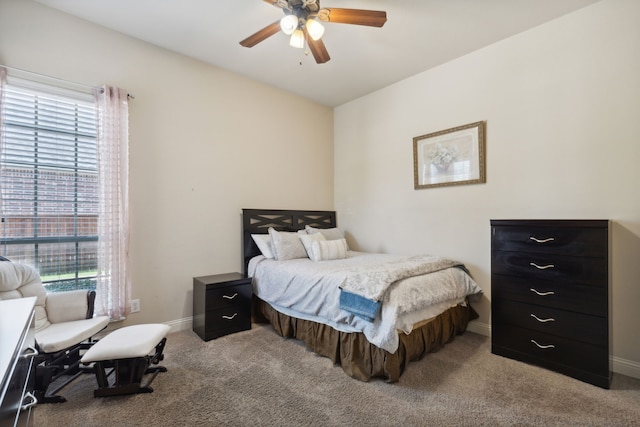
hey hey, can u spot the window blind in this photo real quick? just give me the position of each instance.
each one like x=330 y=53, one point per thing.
x=48 y=182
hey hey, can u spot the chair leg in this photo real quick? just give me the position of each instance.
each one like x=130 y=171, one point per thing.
x=129 y=374
x=159 y=355
x=53 y=366
x=101 y=374
x=44 y=376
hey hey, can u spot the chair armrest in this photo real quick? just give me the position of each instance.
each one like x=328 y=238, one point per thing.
x=70 y=305
x=91 y=299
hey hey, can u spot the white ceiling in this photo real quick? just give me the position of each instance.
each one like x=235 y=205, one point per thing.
x=418 y=35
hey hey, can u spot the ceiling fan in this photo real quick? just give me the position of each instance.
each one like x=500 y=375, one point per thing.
x=301 y=23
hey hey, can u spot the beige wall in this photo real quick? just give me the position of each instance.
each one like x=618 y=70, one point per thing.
x=561 y=104
x=204 y=144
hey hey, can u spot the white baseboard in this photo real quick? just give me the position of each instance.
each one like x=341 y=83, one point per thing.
x=626 y=367
x=479 y=328
x=619 y=365
x=183 y=324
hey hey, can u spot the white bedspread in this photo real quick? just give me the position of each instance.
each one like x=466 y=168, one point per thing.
x=311 y=290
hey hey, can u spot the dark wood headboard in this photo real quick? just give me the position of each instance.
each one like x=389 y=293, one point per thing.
x=258 y=221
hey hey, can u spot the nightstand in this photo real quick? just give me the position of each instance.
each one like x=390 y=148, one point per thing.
x=221 y=305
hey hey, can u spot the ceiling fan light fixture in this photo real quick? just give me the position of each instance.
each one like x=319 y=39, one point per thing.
x=302 y=24
x=314 y=29
x=288 y=24
x=297 y=39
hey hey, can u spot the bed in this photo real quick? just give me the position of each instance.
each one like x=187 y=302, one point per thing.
x=367 y=341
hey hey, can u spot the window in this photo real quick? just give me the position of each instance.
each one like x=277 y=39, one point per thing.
x=49 y=182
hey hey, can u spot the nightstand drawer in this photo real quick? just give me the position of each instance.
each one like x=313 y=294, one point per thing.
x=588 y=271
x=229 y=296
x=560 y=323
x=575 y=241
x=562 y=295
x=225 y=321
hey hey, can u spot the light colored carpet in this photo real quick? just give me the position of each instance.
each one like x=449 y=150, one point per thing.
x=256 y=378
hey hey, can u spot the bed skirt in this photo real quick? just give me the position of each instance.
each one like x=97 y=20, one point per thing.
x=359 y=358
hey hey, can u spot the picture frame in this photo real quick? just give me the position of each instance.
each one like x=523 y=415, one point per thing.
x=453 y=156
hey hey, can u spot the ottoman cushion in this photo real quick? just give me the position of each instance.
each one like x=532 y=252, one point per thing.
x=128 y=342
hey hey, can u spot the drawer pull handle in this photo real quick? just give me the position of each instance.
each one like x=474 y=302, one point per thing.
x=550 y=239
x=230 y=297
x=542 y=294
x=541 y=267
x=543 y=346
x=550 y=319
x=230 y=317
x=29 y=352
x=31 y=403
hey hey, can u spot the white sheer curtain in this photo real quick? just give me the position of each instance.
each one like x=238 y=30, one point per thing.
x=3 y=82
x=113 y=281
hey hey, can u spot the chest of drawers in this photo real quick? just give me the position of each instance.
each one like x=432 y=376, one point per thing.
x=550 y=293
x=16 y=362
x=221 y=305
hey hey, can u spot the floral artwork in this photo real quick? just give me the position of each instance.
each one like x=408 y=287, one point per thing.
x=450 y=157
x=441 y=157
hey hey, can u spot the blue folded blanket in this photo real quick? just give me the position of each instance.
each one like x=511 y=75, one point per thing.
x=359 y=305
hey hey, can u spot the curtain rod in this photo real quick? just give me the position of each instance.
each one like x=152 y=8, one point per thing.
x=129 y=95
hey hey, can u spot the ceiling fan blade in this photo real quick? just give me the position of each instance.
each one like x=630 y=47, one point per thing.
x=371 y=18
x=317 y=48
x=273 y=2
x=261 y=35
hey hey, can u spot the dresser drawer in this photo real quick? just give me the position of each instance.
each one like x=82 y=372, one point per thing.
x=10 y=410
x=575 y=241
x=559 y=268
x=229 y=296
x=17 y=352
x=549 y=351
x=591 y=300
x=560 y=323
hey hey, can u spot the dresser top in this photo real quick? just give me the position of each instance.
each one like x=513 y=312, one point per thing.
x=552 y=222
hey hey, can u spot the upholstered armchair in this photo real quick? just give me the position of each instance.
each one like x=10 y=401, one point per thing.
x=64 y=325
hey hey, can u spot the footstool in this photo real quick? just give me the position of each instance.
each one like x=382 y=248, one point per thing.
x=128 y=351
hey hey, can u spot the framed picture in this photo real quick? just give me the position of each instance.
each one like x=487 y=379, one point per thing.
x=450 y=157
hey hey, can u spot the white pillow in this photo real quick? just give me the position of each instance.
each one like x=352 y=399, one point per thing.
x=308 y=239
x=328 y=233
x=324 y=250
x=263 y=241
x=286 y=244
